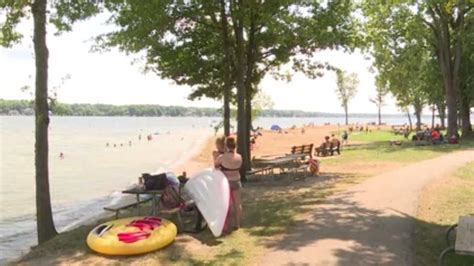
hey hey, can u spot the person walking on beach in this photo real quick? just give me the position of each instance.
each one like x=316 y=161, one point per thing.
x=345 y=136
x=229 y=163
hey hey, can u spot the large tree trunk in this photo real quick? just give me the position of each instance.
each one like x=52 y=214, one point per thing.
x=466 y=116
x=44 y=215
x=449 y=57
x=248 y=110
x=226 y=110
x=242 y=125
x=380 y=115
x=227 y=68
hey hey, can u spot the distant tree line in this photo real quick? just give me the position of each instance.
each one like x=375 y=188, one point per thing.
x=25 y=107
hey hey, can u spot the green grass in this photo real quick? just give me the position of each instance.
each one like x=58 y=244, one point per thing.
x=375 y=135
x=377 y=148
x=268 y=211
x=451 y=201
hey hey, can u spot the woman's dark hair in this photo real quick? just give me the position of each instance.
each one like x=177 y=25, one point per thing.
x=230 y=143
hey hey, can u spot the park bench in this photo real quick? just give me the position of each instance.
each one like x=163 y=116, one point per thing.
x=259 y=169
x=464 y=243
x=305 y=150
x=125 y=205
x=264 y=166
x=326 y=151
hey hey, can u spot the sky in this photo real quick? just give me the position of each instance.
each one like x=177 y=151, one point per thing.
x=113 y=77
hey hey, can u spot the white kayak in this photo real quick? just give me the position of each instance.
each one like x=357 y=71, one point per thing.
x=210 y=191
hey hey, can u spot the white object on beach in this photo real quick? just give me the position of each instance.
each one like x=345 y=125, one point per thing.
x=210 y=191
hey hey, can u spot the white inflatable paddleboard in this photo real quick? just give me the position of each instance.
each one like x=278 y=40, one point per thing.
x=210 y=191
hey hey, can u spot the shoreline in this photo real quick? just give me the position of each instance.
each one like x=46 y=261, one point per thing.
x=115 y=197
x=200 y=158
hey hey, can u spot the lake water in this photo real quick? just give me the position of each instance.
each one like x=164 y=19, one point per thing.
x=92 y=174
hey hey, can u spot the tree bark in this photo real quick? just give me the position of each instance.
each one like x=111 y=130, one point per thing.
x=433 y=108
x=249 y=77
x=466 y=116
x=226 y=111
x=442 y=114
x=418 y=108
x=242 y=125
x=227 y=68
x=409 y=119
x=44 y=215
x=449 y=63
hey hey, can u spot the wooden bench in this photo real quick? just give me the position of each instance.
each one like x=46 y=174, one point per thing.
x=464 y=243
x=125 y=205
x=259 y=169
x=306 y=150
x=326 y=151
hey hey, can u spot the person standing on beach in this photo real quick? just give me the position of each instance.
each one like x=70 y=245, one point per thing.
x=230 y=163
x=220 y=149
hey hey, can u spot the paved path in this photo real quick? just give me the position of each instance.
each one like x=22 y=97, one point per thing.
x=369 y=224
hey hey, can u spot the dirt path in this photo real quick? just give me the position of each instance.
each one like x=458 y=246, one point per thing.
x=369 y=224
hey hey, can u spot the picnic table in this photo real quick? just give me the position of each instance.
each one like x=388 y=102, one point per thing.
x=464 y=243
x=141 y=191
x=288 y=162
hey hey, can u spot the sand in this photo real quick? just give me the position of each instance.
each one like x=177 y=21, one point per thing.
x=271 y=143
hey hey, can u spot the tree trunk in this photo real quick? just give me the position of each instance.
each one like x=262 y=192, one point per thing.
x=442 y=115
x=380 y=115
x=346 y=111
x=248 y=110
x=449 y=57
x=418 y=109
x=227 y=68
x=226 y=111
x=44 y=215
x=466 y=116
x=242 y=125
x=433 y=108
x=409 y=119
x=248 y=82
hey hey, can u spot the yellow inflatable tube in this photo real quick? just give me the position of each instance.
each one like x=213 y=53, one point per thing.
x=129 y=236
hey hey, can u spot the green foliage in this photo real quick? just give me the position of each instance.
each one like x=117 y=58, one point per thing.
x=183 y=40
x=62 y=14
x=346 y=87
x=261 y=102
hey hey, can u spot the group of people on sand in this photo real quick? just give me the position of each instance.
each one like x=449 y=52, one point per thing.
x=227 y=160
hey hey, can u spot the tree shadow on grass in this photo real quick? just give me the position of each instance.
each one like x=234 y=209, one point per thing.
x=355 y=235
x=295 y=212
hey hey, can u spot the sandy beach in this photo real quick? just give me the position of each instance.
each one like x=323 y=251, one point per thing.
x=270 y=143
